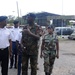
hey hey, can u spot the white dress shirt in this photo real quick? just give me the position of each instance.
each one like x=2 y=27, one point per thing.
x=19 y=37
x=14 y=33
x=4 y=37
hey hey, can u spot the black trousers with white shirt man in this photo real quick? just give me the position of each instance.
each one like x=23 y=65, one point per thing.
x=4 y=58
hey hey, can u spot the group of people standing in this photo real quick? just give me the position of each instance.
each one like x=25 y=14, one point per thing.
x=8 y=46
x=22 y=46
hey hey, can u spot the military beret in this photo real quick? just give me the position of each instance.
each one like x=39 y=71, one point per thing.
x=16 y=22
x=2 y=18
x=31 y=15
x=51 y=27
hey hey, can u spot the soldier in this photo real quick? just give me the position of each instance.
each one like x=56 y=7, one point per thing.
x=49 y=50
x=30 y=37
x=41 y=33
x=5 y=45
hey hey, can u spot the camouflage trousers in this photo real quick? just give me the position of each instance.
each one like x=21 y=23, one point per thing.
x=49 y=59
x=25 y=63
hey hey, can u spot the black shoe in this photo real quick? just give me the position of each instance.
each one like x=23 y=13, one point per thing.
x=47 y=73
x=15 y=67
x=10 y=67
x=37 y=68
x=29 y=67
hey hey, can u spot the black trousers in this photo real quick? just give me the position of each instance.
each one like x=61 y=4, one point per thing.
x=4 y=57
x=13 y=60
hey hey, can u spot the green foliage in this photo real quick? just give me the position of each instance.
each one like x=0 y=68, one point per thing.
x=12 y=18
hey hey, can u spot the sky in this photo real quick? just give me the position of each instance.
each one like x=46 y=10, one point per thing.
x=62 y=7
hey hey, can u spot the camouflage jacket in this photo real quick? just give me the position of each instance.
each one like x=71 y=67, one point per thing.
x=50 y=42
x=30 y=43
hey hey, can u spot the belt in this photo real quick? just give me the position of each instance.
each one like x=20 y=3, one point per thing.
x=13 y=41
x=3 y=48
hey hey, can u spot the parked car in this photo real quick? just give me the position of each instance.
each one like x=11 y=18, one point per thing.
x=72 y=36
x=63 y=30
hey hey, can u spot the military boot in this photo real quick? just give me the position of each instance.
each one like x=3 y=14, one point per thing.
x=47 y=73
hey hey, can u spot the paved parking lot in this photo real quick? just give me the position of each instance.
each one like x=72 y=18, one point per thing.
x=65 y=65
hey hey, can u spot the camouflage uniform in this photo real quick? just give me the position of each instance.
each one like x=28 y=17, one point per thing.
x=30 y=51
x=49 y=52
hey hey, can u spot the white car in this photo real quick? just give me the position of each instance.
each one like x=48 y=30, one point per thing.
x=72 y=36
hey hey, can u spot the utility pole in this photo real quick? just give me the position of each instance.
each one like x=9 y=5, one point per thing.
x=62 y=20
x=20 y=17
x=17 y=9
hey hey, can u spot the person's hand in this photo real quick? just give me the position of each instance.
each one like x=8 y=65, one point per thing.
x=57 y=56
x=10 y=54
x=41 y=55
x=27 y=31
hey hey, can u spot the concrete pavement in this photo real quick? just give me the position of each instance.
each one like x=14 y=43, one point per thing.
x=65 y=65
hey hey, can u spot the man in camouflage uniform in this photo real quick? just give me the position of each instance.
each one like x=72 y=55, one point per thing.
x=30 y=37
x=49 y=50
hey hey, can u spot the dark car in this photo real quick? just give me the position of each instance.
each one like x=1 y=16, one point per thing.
x=64 y=31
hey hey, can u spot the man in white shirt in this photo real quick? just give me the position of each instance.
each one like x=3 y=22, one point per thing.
x=18 y=41
x=5 y=45
x=14 y=32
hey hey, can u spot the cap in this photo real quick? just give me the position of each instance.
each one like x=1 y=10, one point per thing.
x=2 y=18
x=15 y=22
x=31 y=15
